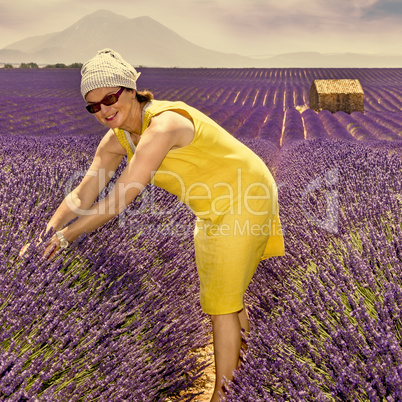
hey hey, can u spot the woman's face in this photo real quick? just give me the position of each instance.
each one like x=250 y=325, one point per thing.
x=116 y=115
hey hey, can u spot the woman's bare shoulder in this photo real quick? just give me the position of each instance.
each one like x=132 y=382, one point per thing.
x=178 y=125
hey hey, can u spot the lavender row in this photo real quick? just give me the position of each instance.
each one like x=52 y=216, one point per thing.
x=293 y=129
x=263 y=123
x=326 y=316
x=380 y=131
x=119 y=304
x=313 y=125
x=333 y=126
x=354 y=128
x=385 y=98
x=51 y=109
x=388 y=120
x=272 y=129
x=237 y=119
x=252 y=125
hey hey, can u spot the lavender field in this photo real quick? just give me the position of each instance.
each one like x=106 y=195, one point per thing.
x=116 y=316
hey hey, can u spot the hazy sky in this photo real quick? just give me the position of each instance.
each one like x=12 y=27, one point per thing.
x=247 y=27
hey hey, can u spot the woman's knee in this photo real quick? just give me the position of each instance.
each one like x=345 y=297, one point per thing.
x=224 y=317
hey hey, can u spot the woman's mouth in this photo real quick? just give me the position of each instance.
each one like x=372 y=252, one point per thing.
x=110 y=118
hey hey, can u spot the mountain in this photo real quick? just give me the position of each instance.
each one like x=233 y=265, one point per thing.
x=141 y=41
x=144 y=41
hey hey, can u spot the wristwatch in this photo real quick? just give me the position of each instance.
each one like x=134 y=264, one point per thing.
x=63 y=242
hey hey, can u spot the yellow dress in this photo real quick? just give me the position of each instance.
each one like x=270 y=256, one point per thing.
x=235 y=199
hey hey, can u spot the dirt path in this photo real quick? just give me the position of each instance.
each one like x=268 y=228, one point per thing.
x=206 y=382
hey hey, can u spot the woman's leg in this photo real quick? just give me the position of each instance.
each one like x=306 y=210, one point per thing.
x=227 y=343
x=244 y=321
x=245 y=326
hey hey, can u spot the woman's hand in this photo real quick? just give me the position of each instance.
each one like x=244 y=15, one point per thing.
x=52 y=247
x=50 y=251
x=24 y=249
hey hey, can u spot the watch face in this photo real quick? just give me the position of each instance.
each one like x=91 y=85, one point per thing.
x=63 y=243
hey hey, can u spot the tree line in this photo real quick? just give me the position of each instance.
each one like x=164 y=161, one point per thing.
x=34 y=65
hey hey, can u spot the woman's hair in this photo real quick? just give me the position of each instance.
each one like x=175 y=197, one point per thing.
x=143 y=96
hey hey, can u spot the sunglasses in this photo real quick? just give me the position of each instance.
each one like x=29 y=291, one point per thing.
x=107 y=100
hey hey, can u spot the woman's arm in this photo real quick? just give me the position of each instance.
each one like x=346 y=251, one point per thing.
x=77 y=203
x=150 y=152
x=167 y=130
x=106 y=160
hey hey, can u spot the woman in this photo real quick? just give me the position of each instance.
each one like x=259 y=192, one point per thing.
x=178 y=148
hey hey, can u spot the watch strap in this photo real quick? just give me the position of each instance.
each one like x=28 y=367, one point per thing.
x=63 y=242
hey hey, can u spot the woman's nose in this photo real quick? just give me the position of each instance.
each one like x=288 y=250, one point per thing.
x=104 y=108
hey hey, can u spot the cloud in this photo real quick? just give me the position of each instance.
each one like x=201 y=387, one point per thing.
x=9 y=18
x=318 y=13
x=317 y=25
x=294 y=12
x=233 y=26
x=30 y=14
x=384 y=9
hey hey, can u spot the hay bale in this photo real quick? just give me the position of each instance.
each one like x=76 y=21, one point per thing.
x=346 y=95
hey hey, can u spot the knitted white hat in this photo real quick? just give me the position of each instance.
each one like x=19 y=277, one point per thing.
x=107 y=69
